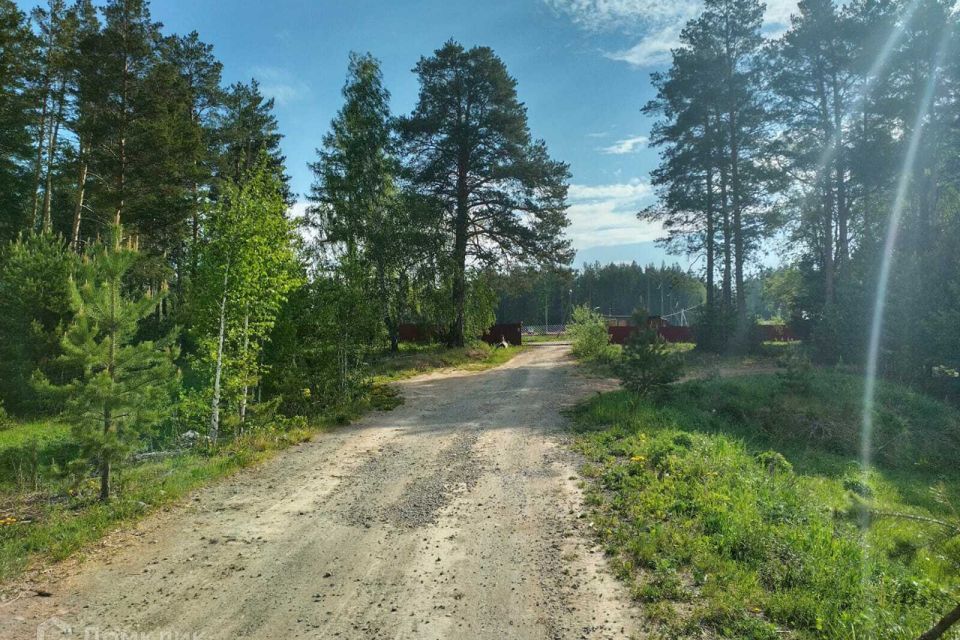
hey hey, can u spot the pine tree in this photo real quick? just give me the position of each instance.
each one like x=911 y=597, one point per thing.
x=354 y=174
x=58 y=26
x=126 y=386
x=812 y=79
x=85 y=95
x=715 y=179
x=357 y=207
x=247 y=129
x=690 y=180
x=468 y=145
x=124 y=53
x=201 y=71
x=166 y=149
x=647 y=364
x=17 y=49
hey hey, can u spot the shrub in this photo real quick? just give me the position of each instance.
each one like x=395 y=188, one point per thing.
x=591 y=340
x=798 y=376
x=647 y=364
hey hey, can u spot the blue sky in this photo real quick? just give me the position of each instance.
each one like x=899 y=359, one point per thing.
x=582 y=68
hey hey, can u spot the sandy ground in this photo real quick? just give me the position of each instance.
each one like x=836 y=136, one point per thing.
x=456 y=515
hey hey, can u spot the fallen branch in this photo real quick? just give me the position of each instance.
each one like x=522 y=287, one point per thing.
x=941 y=627
x=949 y=526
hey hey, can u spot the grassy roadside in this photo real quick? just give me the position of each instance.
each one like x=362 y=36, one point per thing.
x=60 y=516
x=47 y=514
x=732 y=507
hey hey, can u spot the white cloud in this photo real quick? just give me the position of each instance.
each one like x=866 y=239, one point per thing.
x=653 y=50
x=298 y=210
x=622 y=15
x=606 y=214
x=280 y=84
x=627 y=145
x=779 y=11
x=658 y=23
x=634 y=190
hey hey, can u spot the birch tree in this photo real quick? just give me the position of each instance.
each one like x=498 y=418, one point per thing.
x=247 y=267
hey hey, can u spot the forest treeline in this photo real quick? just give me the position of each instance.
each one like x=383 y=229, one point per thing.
x=536 y=296
x=152 y=280
x=819 y=141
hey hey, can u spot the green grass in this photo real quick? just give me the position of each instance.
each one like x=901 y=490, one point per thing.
x=733 y=507
x=26 y=449
x=770 y=354
x=536 y=339
x=414 y=359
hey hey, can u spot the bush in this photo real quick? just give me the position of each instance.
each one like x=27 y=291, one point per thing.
x=647 y=364
x=591 y=340
x=798 y=376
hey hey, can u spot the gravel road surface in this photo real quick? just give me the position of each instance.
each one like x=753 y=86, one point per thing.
x=457 y=515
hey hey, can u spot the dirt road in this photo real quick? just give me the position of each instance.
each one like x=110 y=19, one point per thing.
x=453 y=516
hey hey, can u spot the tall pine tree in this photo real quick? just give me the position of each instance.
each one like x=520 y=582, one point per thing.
x=468 y=145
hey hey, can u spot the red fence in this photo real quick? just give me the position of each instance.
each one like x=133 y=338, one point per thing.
x=768 y=333
x=415 y=333
x=676 y=334
x=512 y=333
x=777 y=333
x=620 y=335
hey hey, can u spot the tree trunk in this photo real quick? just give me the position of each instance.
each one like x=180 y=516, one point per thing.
x=739 y=244
x=400 y=309
x=51 y=154
x=195 y=231
x=826 y=183
x=78 y=207
x=104 y=480
x=215 y=402
x=457 y=338
x=122 y=150
x=111 y=373
x=828 y=264
x=736 y=195
x=943 y=625
x=38 y=167
x=843 y=213
x=105 y=461
x=727 y=293
x=710 y=235
x=121 y=180
x=246 y=379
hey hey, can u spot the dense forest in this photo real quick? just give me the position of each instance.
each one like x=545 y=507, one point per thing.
x=837 y=142
x=151 y=276
x=537 y=297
